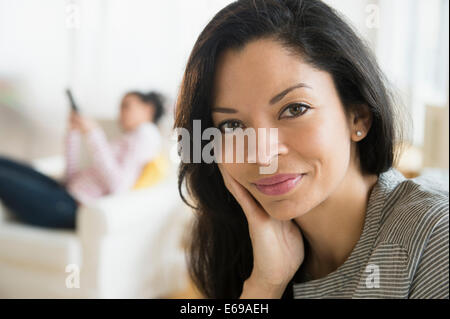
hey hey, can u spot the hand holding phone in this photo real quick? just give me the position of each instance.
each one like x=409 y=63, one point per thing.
x=81 y=123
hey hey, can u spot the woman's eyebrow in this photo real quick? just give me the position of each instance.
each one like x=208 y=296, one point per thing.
x=280 y=96
x=272 y=101
x=223 y=110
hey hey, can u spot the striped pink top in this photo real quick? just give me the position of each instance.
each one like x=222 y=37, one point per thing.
x=115 y=166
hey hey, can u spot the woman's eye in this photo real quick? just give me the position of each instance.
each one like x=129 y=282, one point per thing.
x=231 y=124
x=294 y=110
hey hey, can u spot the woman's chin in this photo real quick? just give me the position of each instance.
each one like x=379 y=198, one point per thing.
x=283 y=209
x=124 y=127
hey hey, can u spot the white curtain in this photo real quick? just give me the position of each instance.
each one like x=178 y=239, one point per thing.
x=412 y=48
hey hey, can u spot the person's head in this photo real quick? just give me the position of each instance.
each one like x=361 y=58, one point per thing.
x=245 y=57
x=137 y=108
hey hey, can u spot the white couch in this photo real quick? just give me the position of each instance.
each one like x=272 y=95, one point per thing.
x=124 y=246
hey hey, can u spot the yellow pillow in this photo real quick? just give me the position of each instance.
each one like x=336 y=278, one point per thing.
x=153 y=172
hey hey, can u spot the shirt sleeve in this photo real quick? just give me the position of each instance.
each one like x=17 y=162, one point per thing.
x=431 y=280
x=116 y=175
x=72 y=155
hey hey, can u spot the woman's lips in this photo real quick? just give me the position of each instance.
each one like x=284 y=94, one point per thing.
x=278 y=184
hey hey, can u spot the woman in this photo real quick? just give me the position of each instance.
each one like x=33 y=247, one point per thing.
x=336 y=220
x=39 y=200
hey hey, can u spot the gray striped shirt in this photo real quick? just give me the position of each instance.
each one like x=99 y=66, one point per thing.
x=403 y=249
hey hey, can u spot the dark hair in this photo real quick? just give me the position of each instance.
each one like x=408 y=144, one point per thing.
x=220 y=253
x=154 y=99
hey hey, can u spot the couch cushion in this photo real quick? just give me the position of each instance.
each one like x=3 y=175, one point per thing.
x=153 y=172
x=38 y=246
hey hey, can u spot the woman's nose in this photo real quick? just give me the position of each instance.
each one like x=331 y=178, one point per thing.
x=268 y=146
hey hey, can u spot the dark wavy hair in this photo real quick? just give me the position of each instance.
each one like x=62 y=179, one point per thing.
x=220 y=254
x=154 y=99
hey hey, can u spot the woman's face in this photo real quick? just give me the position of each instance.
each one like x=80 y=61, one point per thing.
x=314 y=135
x=134 y=112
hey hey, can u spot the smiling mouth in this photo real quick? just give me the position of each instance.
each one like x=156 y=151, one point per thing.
x=278 y=185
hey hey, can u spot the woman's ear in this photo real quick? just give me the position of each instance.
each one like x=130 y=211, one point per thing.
x=151 y=112
x=361 y=121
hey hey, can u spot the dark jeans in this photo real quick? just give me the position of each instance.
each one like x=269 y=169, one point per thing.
x=35 y=198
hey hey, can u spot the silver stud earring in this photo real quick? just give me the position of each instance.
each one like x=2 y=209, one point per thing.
x=358 y=133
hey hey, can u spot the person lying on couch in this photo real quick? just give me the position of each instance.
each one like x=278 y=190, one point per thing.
x=116 y=166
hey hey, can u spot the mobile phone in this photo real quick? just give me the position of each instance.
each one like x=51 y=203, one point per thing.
x=73 y=105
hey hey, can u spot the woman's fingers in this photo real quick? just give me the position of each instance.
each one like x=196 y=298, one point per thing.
x=84 y=124
x=226 y=179
x=74 y=116
x=252 y=209
x=73 y=123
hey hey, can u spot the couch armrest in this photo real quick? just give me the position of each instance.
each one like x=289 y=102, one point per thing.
x=129 y=210
x=132 y=242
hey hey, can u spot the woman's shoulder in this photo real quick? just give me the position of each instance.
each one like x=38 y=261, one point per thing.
x=413 y=208
x=418 y=198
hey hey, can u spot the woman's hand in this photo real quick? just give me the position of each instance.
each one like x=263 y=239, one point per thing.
x=81 y=123
x=278 y=249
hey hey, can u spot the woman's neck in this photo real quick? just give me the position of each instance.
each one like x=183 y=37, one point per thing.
x=333 y=228
x=129 y=130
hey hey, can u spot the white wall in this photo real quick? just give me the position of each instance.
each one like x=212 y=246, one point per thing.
x=102 y=48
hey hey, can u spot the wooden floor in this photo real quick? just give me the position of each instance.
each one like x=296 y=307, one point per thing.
x=189 y=293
